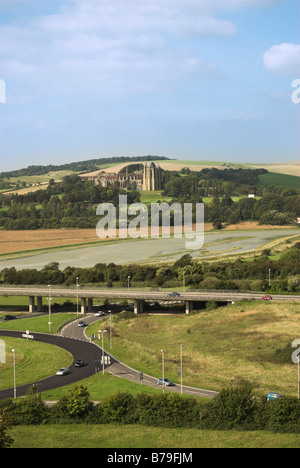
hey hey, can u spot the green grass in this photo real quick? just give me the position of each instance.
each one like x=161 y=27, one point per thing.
x=285 y=180
x=39 y=179
x=250 y=340
x=134 y=436
x=34 y=361
x=37 y=324
x=101 y=386
x=153 y=197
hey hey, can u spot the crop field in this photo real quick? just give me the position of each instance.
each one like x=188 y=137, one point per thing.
x=285 y=180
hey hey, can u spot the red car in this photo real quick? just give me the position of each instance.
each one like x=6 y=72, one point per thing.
x=267 y=298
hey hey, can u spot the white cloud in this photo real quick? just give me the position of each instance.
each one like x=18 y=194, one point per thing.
x=283 y=59
x=114 y=46
x=117 y=45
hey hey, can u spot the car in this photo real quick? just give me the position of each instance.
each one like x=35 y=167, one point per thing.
x=167 y=383
x=174 y=294
x=81 y=323
x=79 y=363
x=100 y=313
x=273 y=396
x=267 y=298
x=63 y=371
x=9 y=317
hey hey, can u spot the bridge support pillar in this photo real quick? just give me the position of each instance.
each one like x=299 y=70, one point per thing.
x=83 y=305
x=31 y=304
x=39 y=303
x=90 y=304
x=188 y=307
x=138 y=306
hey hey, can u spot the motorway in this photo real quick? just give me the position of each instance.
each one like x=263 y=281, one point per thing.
x=226 y=296
x=74 y=340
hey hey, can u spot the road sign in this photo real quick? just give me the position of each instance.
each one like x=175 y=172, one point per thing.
x=27 y=335
x=106 y=360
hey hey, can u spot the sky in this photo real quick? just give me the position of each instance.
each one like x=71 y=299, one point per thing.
x=187 y=79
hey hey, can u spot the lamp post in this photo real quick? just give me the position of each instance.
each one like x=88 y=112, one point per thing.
x=110 y=331
x=183 y=280
x=298 y=375
x=77 y=287
x=181 y=346
x=163 y=368
x=15 y=387
x=129 y=281
x=269 y=276
x=49 y=301
x=102 y=331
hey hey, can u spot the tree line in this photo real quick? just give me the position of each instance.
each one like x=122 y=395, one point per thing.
x=239 y=274
x=235 y=407
x=79 y=166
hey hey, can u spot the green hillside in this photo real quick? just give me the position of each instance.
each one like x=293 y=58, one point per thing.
x=284 y=180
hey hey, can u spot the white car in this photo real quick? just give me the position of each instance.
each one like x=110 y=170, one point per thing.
x=99 y=313
x=63 y=371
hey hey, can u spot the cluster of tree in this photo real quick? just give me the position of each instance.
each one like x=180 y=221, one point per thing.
x=271 y=209
x=72 y=202
x=226 y=275
x=213 y=183
x=67 y=204
x=235 y=407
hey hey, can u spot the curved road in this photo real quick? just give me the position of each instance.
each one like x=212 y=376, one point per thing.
x=74 y=340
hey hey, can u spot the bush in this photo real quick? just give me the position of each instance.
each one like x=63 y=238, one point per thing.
x=74 y=405
x=233 y=408
x=230 y=409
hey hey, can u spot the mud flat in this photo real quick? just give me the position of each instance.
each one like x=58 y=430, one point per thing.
x=149 y=250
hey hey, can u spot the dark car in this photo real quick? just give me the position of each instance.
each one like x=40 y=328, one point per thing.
x=174 y=294
x=79 y=363
x=9 y=317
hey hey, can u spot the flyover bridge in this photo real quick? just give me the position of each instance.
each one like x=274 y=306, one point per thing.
x=138 y=297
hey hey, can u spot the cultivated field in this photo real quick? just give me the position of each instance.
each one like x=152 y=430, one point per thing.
x=22 y=241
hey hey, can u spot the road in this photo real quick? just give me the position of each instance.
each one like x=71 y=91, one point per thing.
x=85 y=351
x=74 y=340
x=120 y=369
x=227 y=296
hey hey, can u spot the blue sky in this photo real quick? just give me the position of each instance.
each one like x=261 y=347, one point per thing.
x=189 y=79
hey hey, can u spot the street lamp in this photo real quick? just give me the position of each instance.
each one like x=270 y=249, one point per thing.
x=15 y=387
x=110 y=331
x=163 y=368
x=49 y=300
x=298 y=375
x=269 y=276
x=77 y=287
x=129 y=281
x=102 y=331
x=181 y=346
x=183 y=280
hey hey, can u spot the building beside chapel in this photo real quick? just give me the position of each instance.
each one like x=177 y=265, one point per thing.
x=146 y=177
